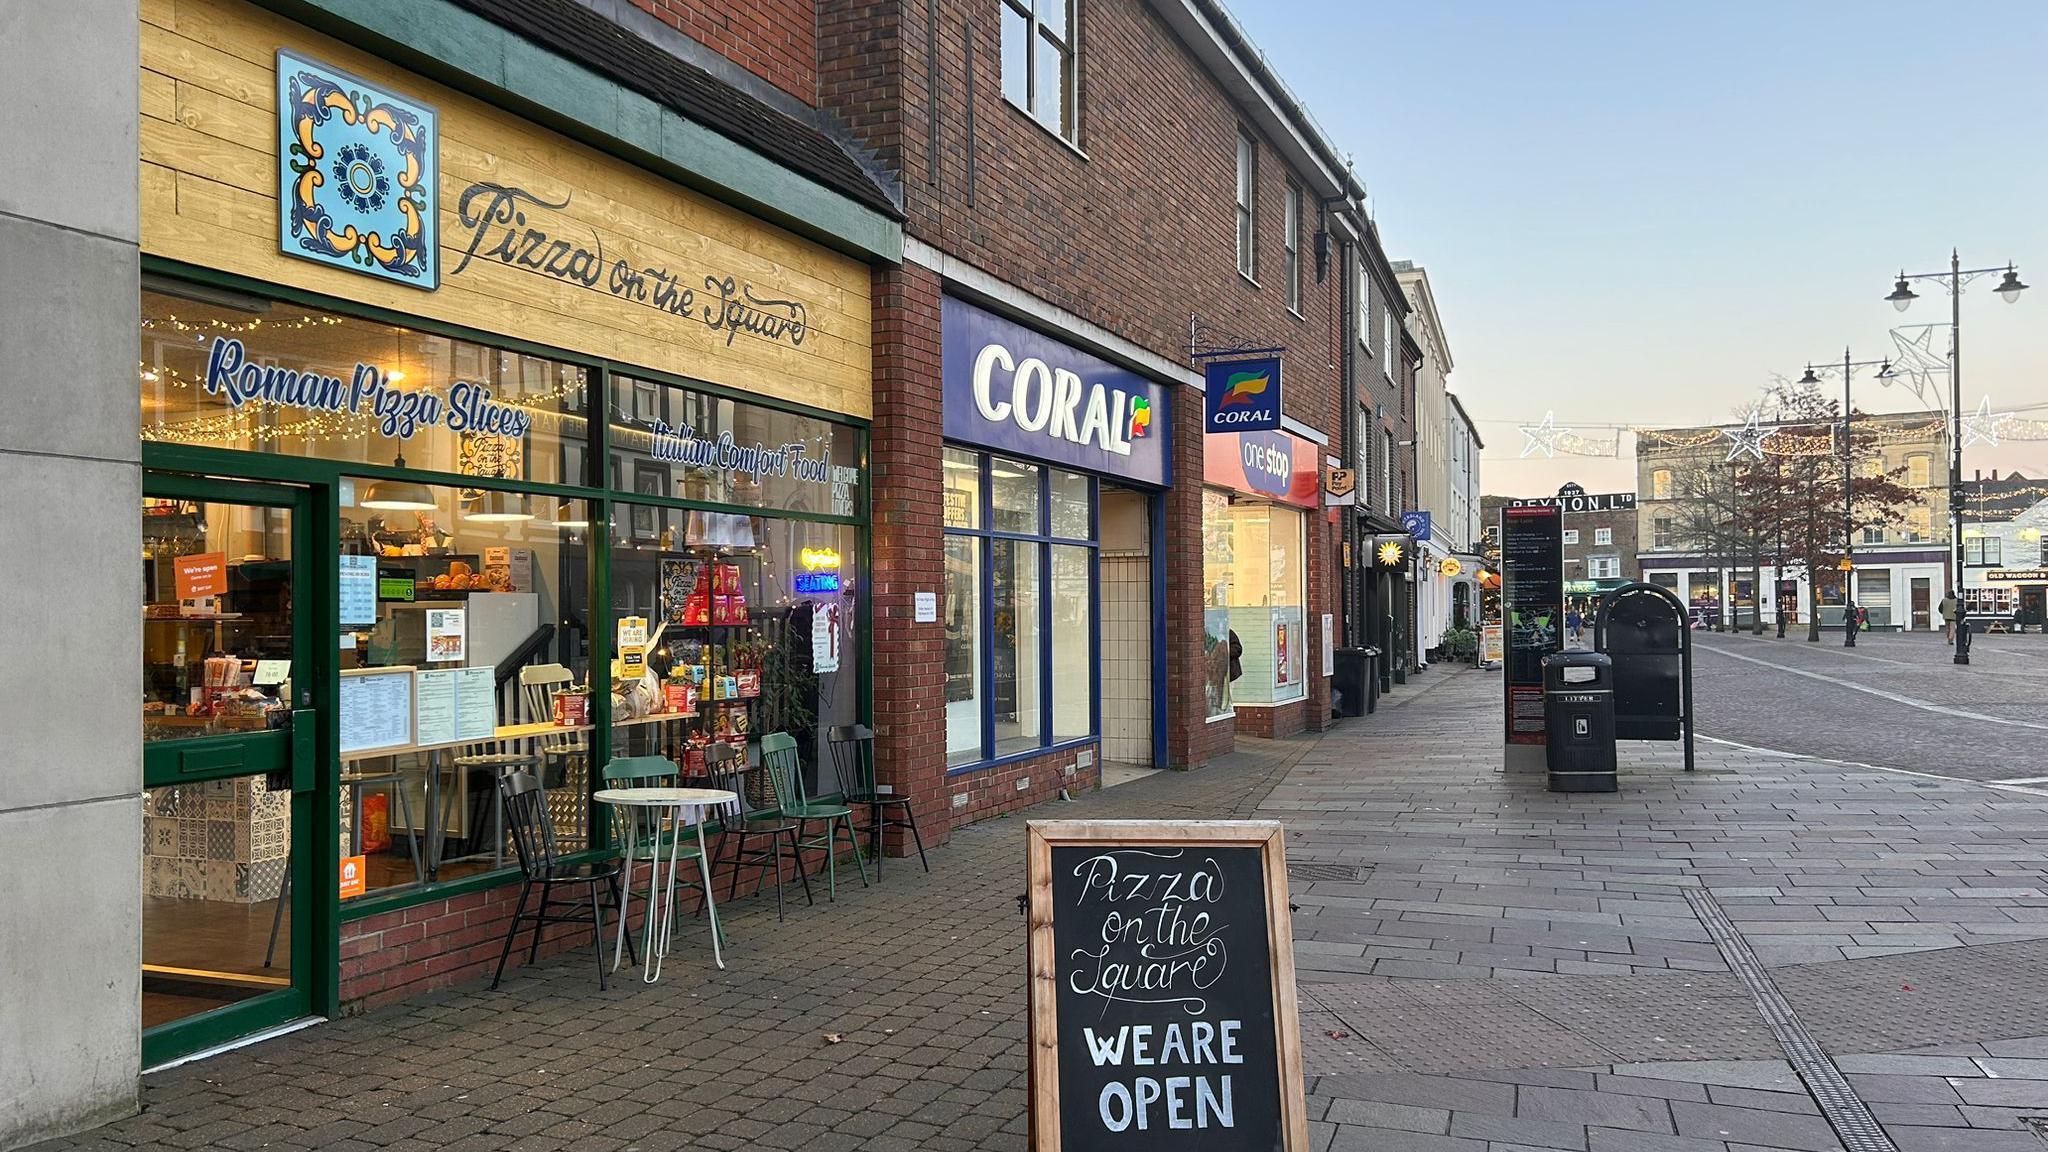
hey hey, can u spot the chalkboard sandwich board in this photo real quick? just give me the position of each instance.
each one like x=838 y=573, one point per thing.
x=1162 y=988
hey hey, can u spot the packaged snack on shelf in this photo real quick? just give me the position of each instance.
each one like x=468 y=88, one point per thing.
x=728 y=687
x=742 y=721
x=681 y=696
x=747 y=682
x=572 y=708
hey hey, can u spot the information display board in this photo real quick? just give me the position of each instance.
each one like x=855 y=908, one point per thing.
x=1162 y=988
x=1532 y=608
x=376 y=709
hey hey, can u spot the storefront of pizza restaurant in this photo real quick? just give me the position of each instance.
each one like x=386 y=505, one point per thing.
x=467 y=447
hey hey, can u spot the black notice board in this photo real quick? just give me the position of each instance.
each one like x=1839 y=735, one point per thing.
x=1159 y=1019
x=1532 y=608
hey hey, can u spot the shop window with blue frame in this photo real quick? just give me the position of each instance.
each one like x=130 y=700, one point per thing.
x=1018 y=607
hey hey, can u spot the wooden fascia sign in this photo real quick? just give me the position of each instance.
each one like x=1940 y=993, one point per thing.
x=1162 y=988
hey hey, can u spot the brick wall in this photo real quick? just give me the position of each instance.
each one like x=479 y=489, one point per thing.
x=904 y=453
x=776 y=40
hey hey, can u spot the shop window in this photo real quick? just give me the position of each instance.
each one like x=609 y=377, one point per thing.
x=1253 y=569
x=726 y=627
x=1292 y=238
x=260 y=376
x=1660 y=484
x=480 y=601
x=680 y=443
x=1038 y=62
x=961 y=616
x=1247 y=215
x=1665 y=580
x=1019 y=609
x=1219 y=551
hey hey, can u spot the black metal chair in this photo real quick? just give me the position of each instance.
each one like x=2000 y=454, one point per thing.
x=773 y=823
x=853 y=761
x=533 y=838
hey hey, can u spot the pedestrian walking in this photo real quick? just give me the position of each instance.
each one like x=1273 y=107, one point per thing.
x=1949 y=615
x=1573 y=622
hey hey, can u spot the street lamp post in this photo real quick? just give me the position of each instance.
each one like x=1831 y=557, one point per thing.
x=1902 y=297
x=1847 y=368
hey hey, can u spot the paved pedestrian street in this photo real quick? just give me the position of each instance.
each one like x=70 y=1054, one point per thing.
x=1485 y=967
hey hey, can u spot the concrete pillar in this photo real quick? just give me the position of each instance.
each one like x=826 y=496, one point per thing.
x=70 y=570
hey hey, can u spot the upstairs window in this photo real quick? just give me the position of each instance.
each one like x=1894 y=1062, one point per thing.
x=1364 y=319
x=1571 y=535
x=1603 y=535
x=1916 y=471
x=1660 y=484
x=1247 y=188
x=1039 y=73
x=1292 y=237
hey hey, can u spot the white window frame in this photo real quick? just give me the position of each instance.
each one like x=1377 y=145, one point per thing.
x=1925 y=465
x=1603 y=535
x=1247 y=205
x=1604 y=568
x=1387 y=349
x=1571 y=536
x=1387 y=473
x=1067 y=124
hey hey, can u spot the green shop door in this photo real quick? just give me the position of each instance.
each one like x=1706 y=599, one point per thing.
x=228 y=763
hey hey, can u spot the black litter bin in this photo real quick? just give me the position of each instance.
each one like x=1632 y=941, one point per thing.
x=1578 y=721
x=1354 y=666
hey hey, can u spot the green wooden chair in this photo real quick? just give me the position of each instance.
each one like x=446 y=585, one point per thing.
x=785 y=772
x=754 y=823
x=637 y=841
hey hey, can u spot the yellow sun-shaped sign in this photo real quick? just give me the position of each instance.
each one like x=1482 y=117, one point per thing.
x=1450 y=567
x=1390 y=553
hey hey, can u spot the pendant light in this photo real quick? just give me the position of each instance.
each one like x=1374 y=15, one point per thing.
x=501 y=508
x=568 y=520
x=398 y=495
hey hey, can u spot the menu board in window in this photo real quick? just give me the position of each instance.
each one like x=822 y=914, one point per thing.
x=376 y=709
x=1162 y=988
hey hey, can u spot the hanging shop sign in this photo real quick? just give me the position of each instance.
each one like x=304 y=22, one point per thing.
x=1340 y=487
x=1416 y=524
x=1278 y=465
x=1162 y=993
x=1241 y=395
x=371 y=182
x=1391 y=553
x=1016 y=390
x=1532 y=603
x=1449 y=567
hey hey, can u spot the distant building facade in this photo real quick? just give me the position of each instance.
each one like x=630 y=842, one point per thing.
x=1900 y=568
x=1599 y=537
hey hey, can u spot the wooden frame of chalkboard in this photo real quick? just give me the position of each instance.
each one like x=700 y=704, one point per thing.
x=1151 y=910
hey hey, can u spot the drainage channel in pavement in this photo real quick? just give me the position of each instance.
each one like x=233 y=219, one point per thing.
x=1845 y=1111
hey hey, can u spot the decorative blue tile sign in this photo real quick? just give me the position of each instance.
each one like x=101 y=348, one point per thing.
x=357 y=174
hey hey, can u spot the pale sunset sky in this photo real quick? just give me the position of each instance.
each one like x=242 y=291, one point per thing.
x=1636 y=213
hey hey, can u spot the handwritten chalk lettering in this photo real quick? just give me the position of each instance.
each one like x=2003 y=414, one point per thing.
x=497 y=220
x=1110 y=876
x=1124 y=1107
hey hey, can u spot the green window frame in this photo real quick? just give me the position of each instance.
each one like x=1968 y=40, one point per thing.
x=325 y=477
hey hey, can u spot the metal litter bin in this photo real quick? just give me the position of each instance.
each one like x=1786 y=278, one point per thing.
x=1578 y=721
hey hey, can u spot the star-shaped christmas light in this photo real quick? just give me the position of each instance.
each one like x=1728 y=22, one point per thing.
x=1749 y=441
x=1917 y=363
x=1543 y=437
x=1983 y=424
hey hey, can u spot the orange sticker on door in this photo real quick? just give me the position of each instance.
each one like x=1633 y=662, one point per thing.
x=205 y=574
x=354 y=876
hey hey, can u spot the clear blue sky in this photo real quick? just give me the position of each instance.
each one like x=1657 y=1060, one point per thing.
x=1636 y=212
